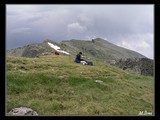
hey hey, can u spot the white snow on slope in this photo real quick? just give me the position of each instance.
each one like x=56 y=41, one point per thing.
x=57 y=48
x=54 y=46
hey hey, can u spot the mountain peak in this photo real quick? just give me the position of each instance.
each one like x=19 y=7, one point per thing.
x=100 y=40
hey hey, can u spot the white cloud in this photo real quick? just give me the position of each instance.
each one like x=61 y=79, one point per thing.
x=90 y=37
x=76 y=27
x=76 y=30
x=142 y=43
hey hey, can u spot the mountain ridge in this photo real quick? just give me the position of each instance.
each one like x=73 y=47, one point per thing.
x=93 y=50
x=95 y=47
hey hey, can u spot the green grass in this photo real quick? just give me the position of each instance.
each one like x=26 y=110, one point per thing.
x=55 y=85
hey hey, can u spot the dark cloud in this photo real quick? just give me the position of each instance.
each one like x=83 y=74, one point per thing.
x=119 y=24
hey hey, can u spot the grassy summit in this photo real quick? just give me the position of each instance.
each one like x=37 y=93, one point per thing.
x=55 y=85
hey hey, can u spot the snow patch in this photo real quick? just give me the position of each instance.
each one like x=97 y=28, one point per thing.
x=57 y=48
x=54 y=46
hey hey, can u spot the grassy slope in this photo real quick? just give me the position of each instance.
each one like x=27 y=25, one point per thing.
x=55 y=85
x=102 y=49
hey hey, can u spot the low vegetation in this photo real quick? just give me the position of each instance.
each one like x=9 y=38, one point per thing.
x=55 y=85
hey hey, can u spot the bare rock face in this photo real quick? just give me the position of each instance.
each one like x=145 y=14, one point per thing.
x=22 y=111
x=144 y=66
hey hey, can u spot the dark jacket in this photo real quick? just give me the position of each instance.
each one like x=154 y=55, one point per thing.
x=78 y=58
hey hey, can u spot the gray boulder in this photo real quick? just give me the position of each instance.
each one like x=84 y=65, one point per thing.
x=22 y=111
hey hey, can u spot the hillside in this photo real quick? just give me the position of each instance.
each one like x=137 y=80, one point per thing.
x=102 y=49
x=31 y=50
x=55 y=85
x=97 y=48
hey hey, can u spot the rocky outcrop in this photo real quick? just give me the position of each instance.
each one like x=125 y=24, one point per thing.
x=143 y=66
x=22 y=111
x=146 y=66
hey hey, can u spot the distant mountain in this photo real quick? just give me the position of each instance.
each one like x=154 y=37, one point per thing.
x=102 y=49
x=95 y=49
x=98 y=48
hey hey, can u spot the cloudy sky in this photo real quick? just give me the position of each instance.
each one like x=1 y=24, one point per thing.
x=129 y=26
